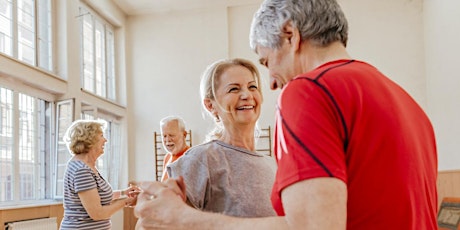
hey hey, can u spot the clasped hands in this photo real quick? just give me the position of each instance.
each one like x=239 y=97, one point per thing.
x=160 y=202
x=131 y=192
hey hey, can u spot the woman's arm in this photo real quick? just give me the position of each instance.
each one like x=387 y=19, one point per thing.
x=117 y=194
x=92 y=203
x=131 y=191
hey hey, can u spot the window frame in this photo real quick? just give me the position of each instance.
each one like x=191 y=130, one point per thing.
x=109 y=164
x=106 y=86
x=40 y=114
x=58 y=179
x=42 y=17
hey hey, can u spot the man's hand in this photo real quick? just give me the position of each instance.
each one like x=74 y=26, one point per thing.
x=160 y=205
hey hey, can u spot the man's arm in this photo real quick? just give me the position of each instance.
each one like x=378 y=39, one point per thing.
x=319 y=203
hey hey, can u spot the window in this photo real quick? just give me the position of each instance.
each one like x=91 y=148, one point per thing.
x=26 y=31
x=64 y=113
x=33 y=156
x=23 y=143
x=97 y=51
x=109 y=163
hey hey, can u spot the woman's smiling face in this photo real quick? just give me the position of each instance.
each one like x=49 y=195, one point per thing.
x=237 y=97
x=100 y=143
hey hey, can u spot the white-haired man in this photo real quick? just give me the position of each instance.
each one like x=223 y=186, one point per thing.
x=173 y=136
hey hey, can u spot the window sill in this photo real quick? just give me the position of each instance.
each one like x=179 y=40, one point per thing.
x=31 y=75
x=28 y=204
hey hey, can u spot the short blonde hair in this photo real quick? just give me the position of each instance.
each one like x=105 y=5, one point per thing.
x=82 y=135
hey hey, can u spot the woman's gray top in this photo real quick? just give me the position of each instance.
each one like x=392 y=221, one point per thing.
x=227 y=179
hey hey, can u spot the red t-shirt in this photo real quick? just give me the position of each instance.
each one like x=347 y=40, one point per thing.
x=347 y=120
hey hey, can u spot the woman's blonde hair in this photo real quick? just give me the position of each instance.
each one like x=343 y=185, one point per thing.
x=81 y=136
x=210 y=80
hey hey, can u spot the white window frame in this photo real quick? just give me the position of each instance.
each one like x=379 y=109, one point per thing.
x=109 y=164
x=40 y=28
x=97 y=54
x=65 y=116
x=32 y=144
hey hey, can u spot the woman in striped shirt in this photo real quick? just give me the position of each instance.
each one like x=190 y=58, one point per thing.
x=89 y=201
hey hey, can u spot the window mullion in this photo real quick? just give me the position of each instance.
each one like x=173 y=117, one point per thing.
x=94 y=55
x=37 y=160
x=104 y=54
x=15 y=28
x=37 y=32
x=107 y=63
x=15 y=158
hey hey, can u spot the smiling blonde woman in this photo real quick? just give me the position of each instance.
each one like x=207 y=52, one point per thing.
x=225 y=174
x=89 y=201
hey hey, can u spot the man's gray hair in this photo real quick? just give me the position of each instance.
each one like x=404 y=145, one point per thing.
x=320 y=21
x=178 y=119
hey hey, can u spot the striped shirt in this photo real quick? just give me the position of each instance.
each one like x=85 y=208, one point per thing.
x=77 y=178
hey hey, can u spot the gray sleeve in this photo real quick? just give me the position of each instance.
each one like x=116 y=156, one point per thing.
x=193 y=167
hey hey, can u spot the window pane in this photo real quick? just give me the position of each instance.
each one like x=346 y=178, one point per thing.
x=26 y=53
x=88 y=47
x=6 y=144
x=110 y=65
x=109 y=163
x=23 y=147
x=19 y=36
x=98 y=54
x=26 y=31
x=87 y=115
x=26 y=13
x=100 y=59
x=29 y=161
x=64 y=120
x=6 y=27
x=5 y=8
x=115 y=154
x=45 y=111
x=45 y=35
x=103 y=161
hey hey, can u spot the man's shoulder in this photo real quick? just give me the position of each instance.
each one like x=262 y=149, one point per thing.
x=167 y=156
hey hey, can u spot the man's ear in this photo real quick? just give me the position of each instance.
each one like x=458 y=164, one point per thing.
x=291 y=35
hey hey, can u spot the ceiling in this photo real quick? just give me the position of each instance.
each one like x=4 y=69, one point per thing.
x=137 y=7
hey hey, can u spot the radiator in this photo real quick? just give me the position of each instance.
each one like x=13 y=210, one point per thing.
x=36 y=224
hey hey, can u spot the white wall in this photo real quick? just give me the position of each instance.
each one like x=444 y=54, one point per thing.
x=389 y=35
x=442 y=37
x=166 y=56
x=168 y=52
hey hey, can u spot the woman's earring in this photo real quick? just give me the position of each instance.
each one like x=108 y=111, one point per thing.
x=217 y=118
